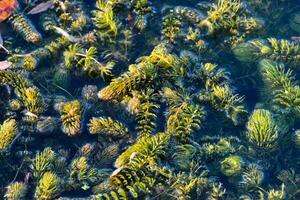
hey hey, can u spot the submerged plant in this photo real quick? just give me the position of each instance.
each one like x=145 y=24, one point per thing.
x=8 y=132
x=16 y=191
x=107 y=126
x=231 y=166
x=105 y=20
x=48 y=187
x=26 y=91
x=85 y=61
x=282 y=51
x=43 y=162
x=262 y=132
x=71 y=116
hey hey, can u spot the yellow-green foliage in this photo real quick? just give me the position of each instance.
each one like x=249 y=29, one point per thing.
x=171 y=28
x=26 y=91
x=231 y=166
x=221 y=148
x=223 y=15
x=81 y=174
x=43 y=162
x=16 y=191
x=274 y=194
x=281 y=82
x=252 y=178
x=141 y=186
x=141 y=7
x=160 y=65
x=85 y=61
x=71 y=114
x=146 y=114
x=105 y=20
x=48 y=187
x=183 y=118
x=146 y=149
x=217 y=191
x=211 y=75
x=137 y=76
x=282 y=51
x=262 y=132
x=107 y=126
x=8 y=132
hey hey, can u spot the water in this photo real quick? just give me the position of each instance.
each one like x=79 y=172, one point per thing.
x=150 y=100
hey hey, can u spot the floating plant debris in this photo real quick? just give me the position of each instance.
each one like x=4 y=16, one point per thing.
x=147 y=99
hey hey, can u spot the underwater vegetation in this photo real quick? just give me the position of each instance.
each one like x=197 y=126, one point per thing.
x=147 y=99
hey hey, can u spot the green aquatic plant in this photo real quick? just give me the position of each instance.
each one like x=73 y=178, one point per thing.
x=281 y=81
x=81 y=174
x=107 y=126
x=252 y=178
x=145 y=148
x=184 y=154
x=146 y=114
x=274 y=194
x=48 y=187
x=183 y=117
x=26 y=91
x=282 y=51
x=141 y=7
x=71 y=116
x=262 y=132
x=43 y=162
x=150 y=70
x=34 y=59
x=221 y=148
x=231 y=166
x=8 y=132
x=105 y=20
x=217 y=191
x=216 y=16
x=136 y=76
x=85 y=61
x=16 y=191
x=24 y=27
x=171 y=28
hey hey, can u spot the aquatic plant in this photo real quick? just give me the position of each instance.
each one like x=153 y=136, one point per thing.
x=26 y=91
x=81 y=174
x=262 y=132
x=282 y=51
x=148 y=71
x=231 y=166
x=105 y=20
x=286 y=94
x=85 y=61
x=155 y=98
x=24 y=27
x=32 y=60
x=16 y=191
x=252 y=178
x=171 y=28
x=145 y=148
x=71 y=116
x=146 y=114
x=8 y=132
x=183 y=117
x=48 y=187
x=43 y=162
x=217 y=191
x=107 y=126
